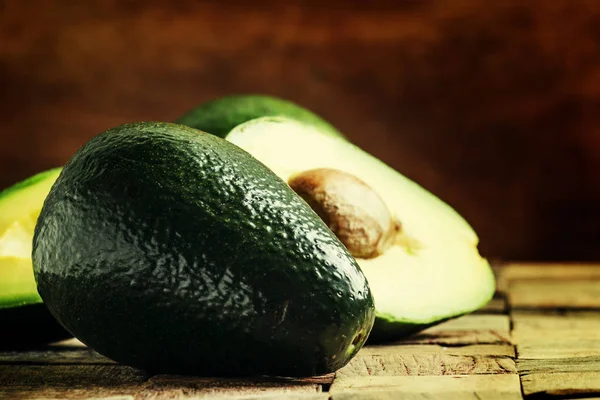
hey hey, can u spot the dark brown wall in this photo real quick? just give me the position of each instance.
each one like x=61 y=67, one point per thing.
x=494 y=106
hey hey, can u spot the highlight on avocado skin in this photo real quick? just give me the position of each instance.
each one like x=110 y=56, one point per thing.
x=199 y=261
x=419 y=255
x=219 y=116
x=25 y=319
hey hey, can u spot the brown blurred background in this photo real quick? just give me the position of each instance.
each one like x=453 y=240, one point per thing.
x=492 y=105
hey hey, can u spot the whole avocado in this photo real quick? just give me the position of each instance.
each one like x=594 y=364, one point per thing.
x=174 y=251
x=219 y=116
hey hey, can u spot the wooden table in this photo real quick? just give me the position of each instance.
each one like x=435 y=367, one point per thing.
x=540 y=336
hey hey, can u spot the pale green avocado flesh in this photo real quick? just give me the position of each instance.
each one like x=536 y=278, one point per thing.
x=17 y=284
x=20 y=206
x=413 y=287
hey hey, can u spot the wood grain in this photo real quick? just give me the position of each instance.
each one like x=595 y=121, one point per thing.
x=263 y=396
x=423 y=360
x=498 y=305
x=467 y=386
x=489 y=350
x=551 y=294
x=439 y=90
x=548 y=335
x=46 y=357
x=417 y=364
x=68 y=381
x=469 y=329
x=165 y=386
x=394 y=395
x=509 y=272
x=571 y=376
x=558 y=352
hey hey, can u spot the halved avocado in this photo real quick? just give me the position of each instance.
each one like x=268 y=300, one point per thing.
x=25 y=319
x=420 y=256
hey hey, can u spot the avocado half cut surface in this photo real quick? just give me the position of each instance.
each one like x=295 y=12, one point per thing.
x=422 y=262
x=221 y=115
x=199 y=261
x=25 y=319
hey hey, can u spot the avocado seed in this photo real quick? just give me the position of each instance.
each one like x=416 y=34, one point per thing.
x=351 y=208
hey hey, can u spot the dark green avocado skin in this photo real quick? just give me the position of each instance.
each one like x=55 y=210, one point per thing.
x=221 y=115
x=29 y=326
x=172 y=250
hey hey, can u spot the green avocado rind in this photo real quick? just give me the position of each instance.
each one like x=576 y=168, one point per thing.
x=221 y=115
x=174 y=251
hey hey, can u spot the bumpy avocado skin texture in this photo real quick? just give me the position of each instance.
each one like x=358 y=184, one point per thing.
x=221 y=115
x=174 y=251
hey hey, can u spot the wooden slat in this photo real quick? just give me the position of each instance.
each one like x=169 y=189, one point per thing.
x=422 y=360
x=559 y=348
x=510 y=272
x=550 y=294
x=425 y=365
x=490 y=350
x=498 y=305
x=469 y=329
x=49 y=357
x=560 y=365
x=465 y=386
x=167 y=386
x=68 y=381
x=570 y=376
x=262 y=396
x=558 y=353
x=394 y=395
x=556 y=335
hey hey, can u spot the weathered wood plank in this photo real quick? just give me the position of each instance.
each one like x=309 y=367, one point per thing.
x=68 y=381
x=556 y=335
x=550 y=294
x=49 y=357
x=469 y=329
x=510 y=272
x=560 y=365
x=168 y=386
x=558 y=348
x=409 y=360
x=394 y=395
x=426 y=365
x=559 y=353
x=571 y=376
x=464 y=386
x=263 y=396
x=498 y=305
x=491 y=350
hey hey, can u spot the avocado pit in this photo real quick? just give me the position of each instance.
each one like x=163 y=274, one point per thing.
x=353 y=211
